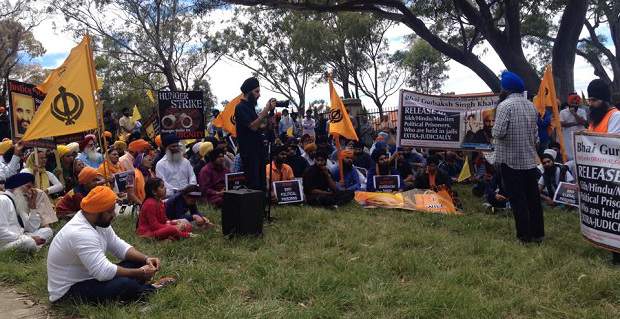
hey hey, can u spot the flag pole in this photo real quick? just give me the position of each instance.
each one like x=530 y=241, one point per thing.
x=339 y=155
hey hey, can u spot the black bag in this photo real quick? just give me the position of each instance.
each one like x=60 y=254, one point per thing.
x=243 y=212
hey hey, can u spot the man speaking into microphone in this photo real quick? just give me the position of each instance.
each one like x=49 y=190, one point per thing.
x=249 y=136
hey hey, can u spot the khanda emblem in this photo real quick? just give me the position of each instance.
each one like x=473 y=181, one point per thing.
x=71 y=106
x=335 y=116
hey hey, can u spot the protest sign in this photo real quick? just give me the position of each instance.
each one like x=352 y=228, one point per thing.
x=567 y=194
x=597 y=158
x=288 y=192
x=24 y=101
x=234 y=181
x=447 y=122
x=386 y=183
x=181 y=113
x=124 y=180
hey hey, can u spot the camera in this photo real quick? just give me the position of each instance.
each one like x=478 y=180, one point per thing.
x=283 y=104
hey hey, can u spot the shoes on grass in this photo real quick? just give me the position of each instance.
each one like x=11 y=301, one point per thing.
x=164 y=282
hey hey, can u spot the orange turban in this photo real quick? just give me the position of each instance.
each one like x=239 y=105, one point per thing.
x=99 y=200
x=87 y=175
x=107 y=134
x=347 y=154
x=310 y=147
x=158 y=141
x=139 y=146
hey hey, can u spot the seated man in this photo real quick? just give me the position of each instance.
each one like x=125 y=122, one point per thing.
x=173 y=168
x=432 y=178
x=212 y=178
x=320 y=188
x=280 y=171
x=491 y=188
x=362 y=159
x=134 y=149
x=182 y=205
x=351 y=175
x=77 y=266
x=69 y=204
x=382 y=167
x=295 y=161
x=405 y=171
x=553 y=174
x=451 y=165
x=88 y=152
x=10 y=159
x=20 y=227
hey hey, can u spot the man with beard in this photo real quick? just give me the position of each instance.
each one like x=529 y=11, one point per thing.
x=382 y=167
x=351 y=175
x=125 y=123
x=249 y=136
x=65 y=171
x=175 y=170
x=280 y=171
x=133 y=150
x=572 y=119
x=88 y=153
x=432 y=177
x=309 y=152
x=88 y=179
x=484 y=135
x=77 y=266
x=515 y=133
x=361 y=158
x=603 y=117
x=21 y=227
x=295 y=161
x=553 y=174
x=320 y=188
x=23 y=116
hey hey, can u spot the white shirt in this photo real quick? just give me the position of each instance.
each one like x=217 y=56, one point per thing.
x=77 y=253
x=614 y=123
x=9 y=169
x=55 y=185
x=566 y=117
x=10 y=230
x=175 y=175
x=569 y=178
x=308 y=126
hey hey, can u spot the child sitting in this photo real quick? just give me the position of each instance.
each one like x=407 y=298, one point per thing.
x=152 y=221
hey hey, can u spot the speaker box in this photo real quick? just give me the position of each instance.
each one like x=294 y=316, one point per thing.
x=243 y=212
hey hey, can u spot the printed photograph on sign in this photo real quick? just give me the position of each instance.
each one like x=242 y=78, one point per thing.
x=478 y=128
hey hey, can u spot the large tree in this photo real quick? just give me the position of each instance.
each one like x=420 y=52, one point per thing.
x=426 y=67
x=457 y=27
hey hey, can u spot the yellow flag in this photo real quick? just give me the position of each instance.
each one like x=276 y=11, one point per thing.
x=289 y=132
x=339 y=120
x=136 y=114
x=69 y=106
x=547 y=97
x=465 y=171
x=149 y=94
x=99 y=83
x=226 y=118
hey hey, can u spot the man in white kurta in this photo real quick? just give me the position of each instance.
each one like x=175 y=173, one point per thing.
x=174 y=169
x=20 y=228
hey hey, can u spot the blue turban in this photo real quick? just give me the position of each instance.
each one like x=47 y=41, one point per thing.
x=18 y=180
x=169 y=139
x=512 y=82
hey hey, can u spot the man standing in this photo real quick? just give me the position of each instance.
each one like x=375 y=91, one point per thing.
x=125 y=123
x=515 y=133
x=573 y=119
x=77 y=266
x=249 y=137
x=286 y=122
x=308 y=124
x=174 y=169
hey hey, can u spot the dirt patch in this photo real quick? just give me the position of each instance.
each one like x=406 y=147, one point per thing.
x=17 y=305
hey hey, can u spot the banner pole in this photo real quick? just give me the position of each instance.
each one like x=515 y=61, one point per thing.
x=339 y=155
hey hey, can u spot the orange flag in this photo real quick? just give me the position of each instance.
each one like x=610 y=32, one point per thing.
x=226 y=118
x=339 y=120
x=547 y=97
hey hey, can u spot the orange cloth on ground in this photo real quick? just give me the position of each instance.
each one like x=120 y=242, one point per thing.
x=100 y=199
x=602 y=127
x=87 y=175
x=110 y=169
x=285 y=173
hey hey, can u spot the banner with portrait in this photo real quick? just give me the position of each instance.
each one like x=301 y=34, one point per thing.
x=24 y=101
x=182 y=113
x=460 y=122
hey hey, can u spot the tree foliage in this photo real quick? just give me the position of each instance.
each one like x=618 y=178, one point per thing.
x=426 y=66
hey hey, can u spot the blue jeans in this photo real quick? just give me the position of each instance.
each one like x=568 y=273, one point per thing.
x=119 y=288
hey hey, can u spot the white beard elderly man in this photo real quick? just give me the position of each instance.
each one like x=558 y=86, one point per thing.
x=21 y=228
x=175 y=170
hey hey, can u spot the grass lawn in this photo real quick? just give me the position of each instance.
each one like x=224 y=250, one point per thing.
x=357 y=263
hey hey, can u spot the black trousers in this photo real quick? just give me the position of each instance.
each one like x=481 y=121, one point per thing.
x=336 y=198
x=254 y=169
x=522 y=189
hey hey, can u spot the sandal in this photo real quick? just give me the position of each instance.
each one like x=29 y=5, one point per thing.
x=163 y=282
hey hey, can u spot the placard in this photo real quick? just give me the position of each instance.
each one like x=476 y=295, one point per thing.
x=386 y=183
x=446 y=122
x=24 y=101
x=567 y=193
x=182 y=113
x=597 y=159
x=234 y=181
x=123 y=180
x=288 y=192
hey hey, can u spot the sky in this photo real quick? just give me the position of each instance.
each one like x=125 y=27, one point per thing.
x=226 y=76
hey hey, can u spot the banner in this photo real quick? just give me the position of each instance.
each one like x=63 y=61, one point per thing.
x=24 y=101
x=234 y=181
x=446 y=122
x=567 y=194
x=182 y=113
x=288 y=192
x=597 y=158
x=416 y=199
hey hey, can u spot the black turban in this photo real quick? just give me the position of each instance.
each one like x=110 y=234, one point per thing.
x=249 y=85
x=169 y=139
x=18 y=180
x=599 y=90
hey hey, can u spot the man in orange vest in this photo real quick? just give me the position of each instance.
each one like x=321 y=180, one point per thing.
x=603 y=116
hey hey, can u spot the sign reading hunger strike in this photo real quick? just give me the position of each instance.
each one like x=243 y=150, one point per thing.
x=597 y=159
x=182 y=113
x=448 y=122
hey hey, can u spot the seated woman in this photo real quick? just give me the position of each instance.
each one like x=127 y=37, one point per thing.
x=110 y=165
x=43 y=180
x=212 y=178
x=143 y=171
x=152 y=221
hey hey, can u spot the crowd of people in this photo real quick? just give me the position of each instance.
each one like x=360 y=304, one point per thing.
x=166 y=179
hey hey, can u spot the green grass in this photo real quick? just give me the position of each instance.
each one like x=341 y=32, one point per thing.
x=357 y=263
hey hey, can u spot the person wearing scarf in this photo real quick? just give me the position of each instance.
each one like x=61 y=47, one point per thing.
x=110 y=165
x=43 y=180
x=143 y=171
x=64 y=167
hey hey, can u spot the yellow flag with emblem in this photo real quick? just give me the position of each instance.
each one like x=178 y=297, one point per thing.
x=226 y=118
x=136 y=114
x=547 y=97
x=465 y=171
x=69 y=106
x=339 y=120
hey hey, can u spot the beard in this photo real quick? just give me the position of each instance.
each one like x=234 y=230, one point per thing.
x=102 y=223
x=251 y=98
x=596 y=114
x=174 y=157
x=92 y=154
x=21 y=202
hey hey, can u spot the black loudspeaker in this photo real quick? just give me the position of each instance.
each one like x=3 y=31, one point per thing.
x=243 y=212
